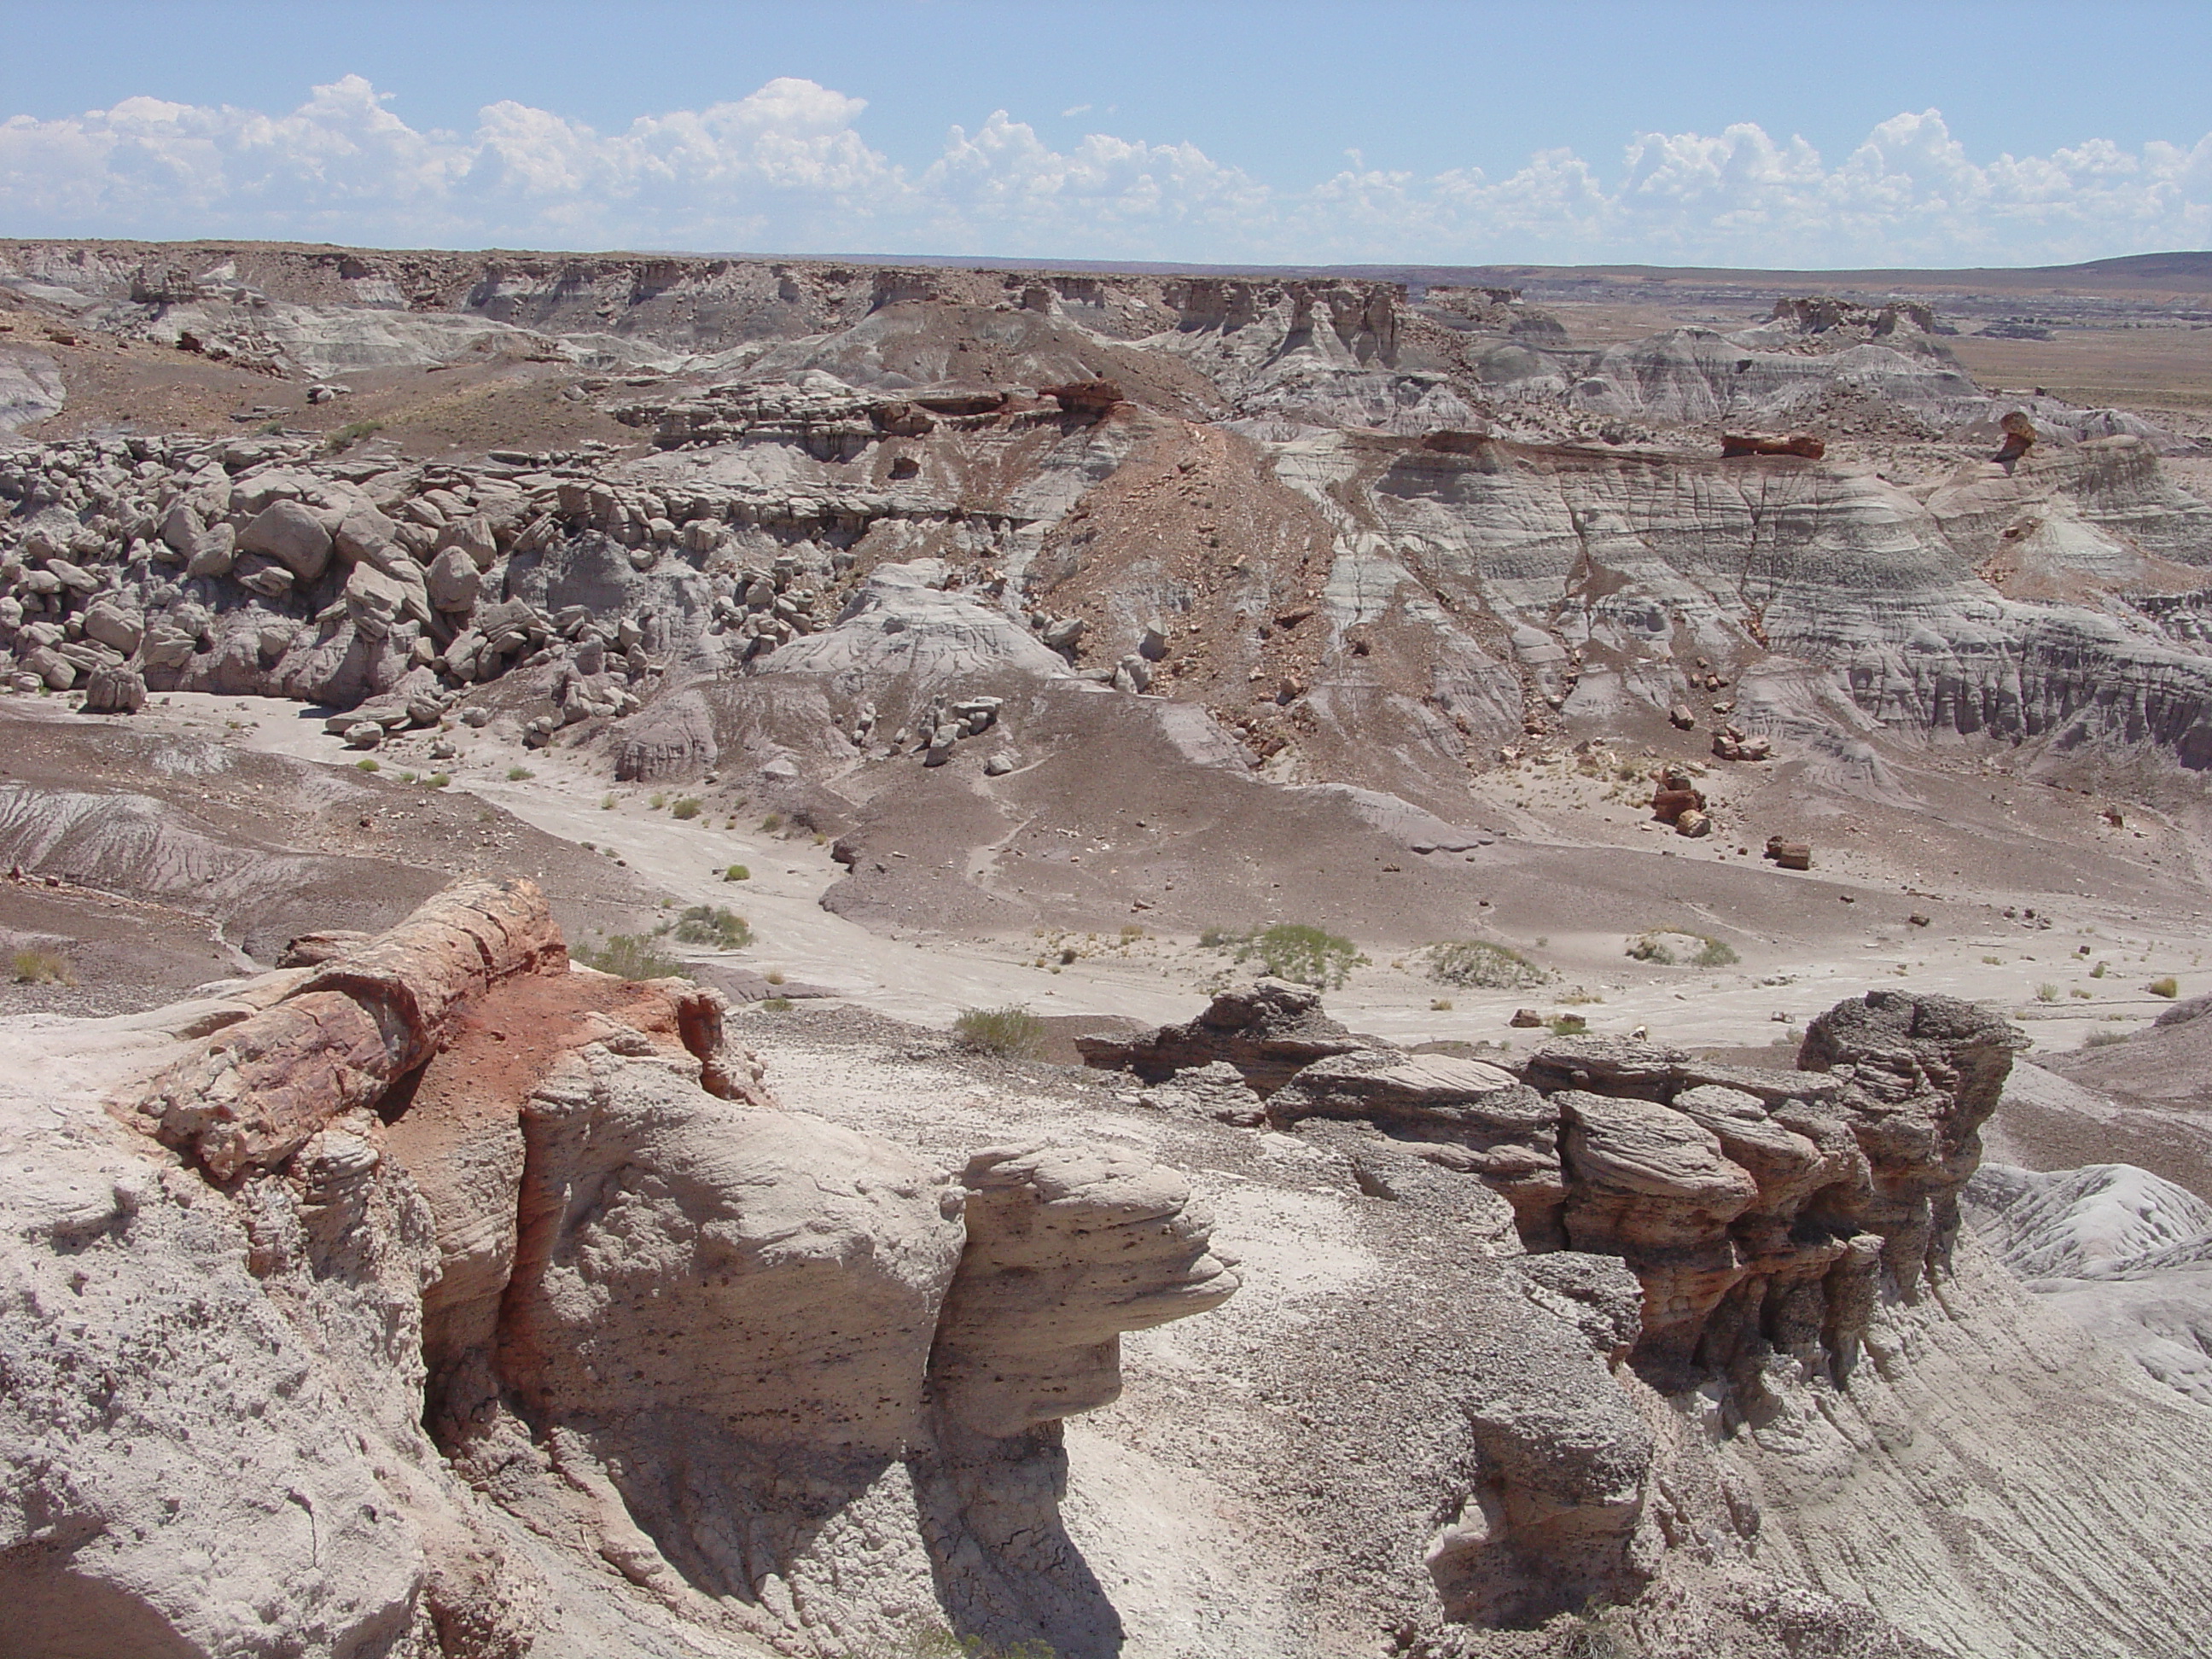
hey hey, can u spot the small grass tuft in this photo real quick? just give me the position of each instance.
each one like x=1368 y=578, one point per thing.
x=1013 y=1032
x=776 y=1004
x=2046 y=992
x=34 y=966
x=626 y=956
x=771 y=824
x=1440 y=1006
x=519 y=774
x=371 y=764
x=1567 y=1025
x=686 y=808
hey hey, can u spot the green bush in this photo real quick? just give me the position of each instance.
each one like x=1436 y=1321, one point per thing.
x=2169 y=987
x=707 y=924
x=34 y=966
x=520 y=774
x=606 y=803
x=737 y=873
x=1013 y=1032
x=437 y=781
x=1477 y=964
x=1302 y=954
x=626 y=956
x=686 y=808
x=771 y=824
x=371 y=764
x=2046 y=992
x=1567 y=1025
x=776 y=1004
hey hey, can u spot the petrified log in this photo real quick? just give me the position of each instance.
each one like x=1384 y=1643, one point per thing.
x=1800 y=444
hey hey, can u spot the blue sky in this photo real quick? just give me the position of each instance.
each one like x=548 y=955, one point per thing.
x=1774 y=134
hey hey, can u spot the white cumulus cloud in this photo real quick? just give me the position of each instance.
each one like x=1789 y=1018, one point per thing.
x=787 y=170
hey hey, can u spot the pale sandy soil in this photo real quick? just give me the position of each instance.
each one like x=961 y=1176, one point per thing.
x=929 y=979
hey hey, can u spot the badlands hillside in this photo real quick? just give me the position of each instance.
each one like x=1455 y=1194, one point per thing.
x=740 y=956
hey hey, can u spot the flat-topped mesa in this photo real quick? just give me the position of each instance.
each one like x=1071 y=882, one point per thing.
x=1268 y=1029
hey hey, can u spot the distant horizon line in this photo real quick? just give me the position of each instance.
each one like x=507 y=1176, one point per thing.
x=2196 y=263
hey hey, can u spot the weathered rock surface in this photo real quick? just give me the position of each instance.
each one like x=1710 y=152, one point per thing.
x=1266 y=1030
x=1065 y=1250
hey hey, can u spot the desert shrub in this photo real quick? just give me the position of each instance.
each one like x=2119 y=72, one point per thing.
x=1302 y=954
x=1669 y=946
x=627 y=956
x=2103 y=1039
x=707 y=924
x=2098 y=972
x=737 y=873
x=371 y=764
x=1567 y=1025
x=606 y=803
x=1440 y=1006
x=2169 y=987
x=437 y=781
x=2046 y=992
x=771 y=824
x=1477 y=964
x=519 y=774
x=686 y=808
x=1217 y=938
x=407 y=777
x=774 y=976
x=776 y=1004
x=658 y=802
x=352 y=433
x=1130 y=930
x=1600 y=1633
x=1013 y=1031
x=2078 y=992
x=34 y=966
